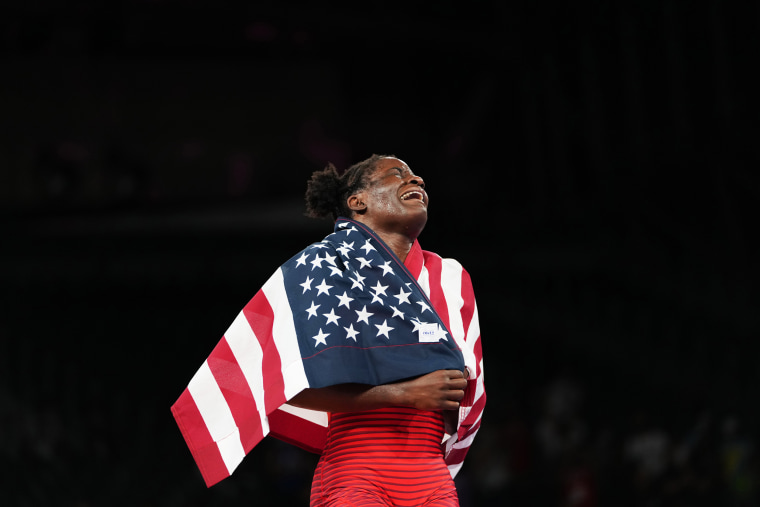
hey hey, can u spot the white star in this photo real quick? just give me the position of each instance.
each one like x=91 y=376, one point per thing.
x=319 y=245
x=417 y=324
x=320 y=337
x=329 y=258
x=387 y=268
x=397 y=313
x=313 y=310
x=351 y=332
x=306 y=284
x=367 y=247
x=335 y=270
x=323 y=288
x=317 y=262
x=365 y=263
x=383 y=329
x=380 y=289
x=349 y=231
x=363 y=315
x=358 y=282
x=301 y=261
x=344 y=300
x=345 y=248
x=331 y=317
x=423 y=306
x=403 y=297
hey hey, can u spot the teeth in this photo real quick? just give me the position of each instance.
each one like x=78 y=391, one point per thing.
x=410 y=194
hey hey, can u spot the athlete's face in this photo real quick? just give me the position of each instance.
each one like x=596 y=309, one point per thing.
x=395 y=199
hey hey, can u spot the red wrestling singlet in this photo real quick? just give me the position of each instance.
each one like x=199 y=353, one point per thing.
x=387 y=457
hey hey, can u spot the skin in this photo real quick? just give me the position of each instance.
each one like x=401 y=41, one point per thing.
x=398 y=222
x=380 y=206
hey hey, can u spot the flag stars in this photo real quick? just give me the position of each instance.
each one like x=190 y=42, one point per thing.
x=312 y=311
x=363 y=315
x=345 y=248
x=397 y=313
x=379 y=289
x=335 y=270
x=344 y=300
x=386 y=267
x=301 y=261
x=383 y=329
x=332 y=318
x=365 y=263
x=317 y=262
x=423 y=306
x=306 y=284
x=358 y=282
x=351 y=332
x=403 y=297
x=323 y=288
x=367 y=247
x=320 y=338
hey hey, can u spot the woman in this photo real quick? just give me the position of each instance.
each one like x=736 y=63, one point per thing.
x=395 y=362
x=383 y=444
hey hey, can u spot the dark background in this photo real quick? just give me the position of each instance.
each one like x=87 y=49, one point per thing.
x=594 y=167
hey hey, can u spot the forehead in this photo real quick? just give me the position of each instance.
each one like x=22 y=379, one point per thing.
x=387 y=163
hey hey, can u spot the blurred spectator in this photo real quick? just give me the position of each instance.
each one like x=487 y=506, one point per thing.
x=739 y=465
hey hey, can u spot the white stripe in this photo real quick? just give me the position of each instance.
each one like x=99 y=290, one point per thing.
x=285 y=337
x=454 y=469
x=314 y=416
x=217 y=416
x=248 y=354
x=473 y=332
x=451 y=283
x=467 y=442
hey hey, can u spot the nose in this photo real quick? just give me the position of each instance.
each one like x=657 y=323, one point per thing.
x=414 y=179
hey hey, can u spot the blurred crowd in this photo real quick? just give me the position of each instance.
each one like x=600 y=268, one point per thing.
x=559 y=456
x=63 y=453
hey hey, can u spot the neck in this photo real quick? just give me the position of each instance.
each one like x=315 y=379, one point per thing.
x=400 y=242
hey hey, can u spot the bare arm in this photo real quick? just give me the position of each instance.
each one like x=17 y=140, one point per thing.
x=439 y=390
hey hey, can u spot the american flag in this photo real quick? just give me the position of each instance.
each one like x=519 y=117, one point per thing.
x=344 y=310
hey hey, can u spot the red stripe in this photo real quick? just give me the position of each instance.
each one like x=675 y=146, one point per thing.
x=414 y=260
x=237 y=393
x=260 y=316
x=198 y=439
x=467 y=425
x=285 y=426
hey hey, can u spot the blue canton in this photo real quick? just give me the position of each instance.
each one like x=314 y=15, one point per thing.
x=360 y=316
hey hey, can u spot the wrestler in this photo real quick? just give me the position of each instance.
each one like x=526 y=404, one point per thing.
x=377 y=367
x=383 y=442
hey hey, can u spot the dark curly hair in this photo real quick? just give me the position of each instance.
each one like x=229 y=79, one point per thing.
x=328 y=190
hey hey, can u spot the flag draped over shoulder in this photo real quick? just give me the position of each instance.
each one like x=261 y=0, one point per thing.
x=344 y=310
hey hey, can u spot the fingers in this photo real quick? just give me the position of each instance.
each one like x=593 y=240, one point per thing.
x=438 y=390
x=456 y=380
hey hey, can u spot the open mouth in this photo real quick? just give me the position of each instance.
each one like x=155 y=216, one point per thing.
x=412 y=194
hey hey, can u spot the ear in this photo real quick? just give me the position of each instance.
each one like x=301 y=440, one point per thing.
x=356 y=203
